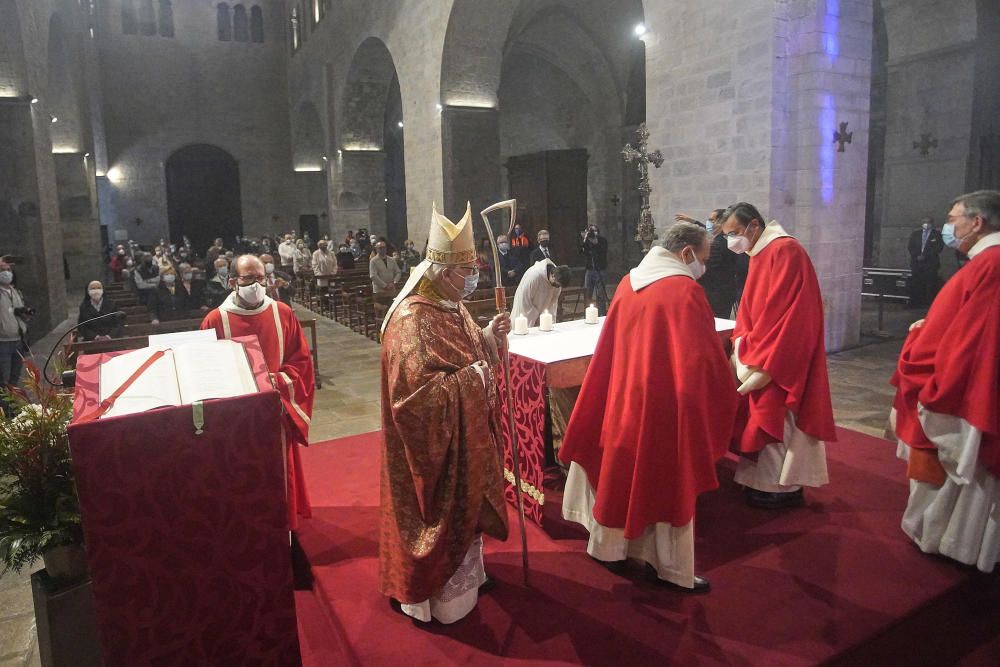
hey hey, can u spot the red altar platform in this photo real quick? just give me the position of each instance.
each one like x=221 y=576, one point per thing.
x=186 y=534
x=835 y=582
x=540 y=361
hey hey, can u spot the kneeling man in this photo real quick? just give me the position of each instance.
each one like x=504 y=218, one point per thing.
x=655 y=413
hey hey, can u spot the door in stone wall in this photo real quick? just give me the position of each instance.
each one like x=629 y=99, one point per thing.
x=551 y=192
x=203 y=196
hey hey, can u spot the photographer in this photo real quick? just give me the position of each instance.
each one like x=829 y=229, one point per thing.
x=594 y=248
x=14 y=316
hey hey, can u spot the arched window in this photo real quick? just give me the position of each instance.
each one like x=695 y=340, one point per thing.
x=303 y=23
x=224 y=23
x=296 y=34
x=130 y=25
x=256 y=24
x=241 y=25
x=317 y=11
x=166 y=18
x=147 y=18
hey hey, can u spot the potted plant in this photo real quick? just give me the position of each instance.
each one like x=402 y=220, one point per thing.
x=39 y=510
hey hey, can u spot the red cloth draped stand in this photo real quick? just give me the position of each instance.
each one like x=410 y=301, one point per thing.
x=186 y=534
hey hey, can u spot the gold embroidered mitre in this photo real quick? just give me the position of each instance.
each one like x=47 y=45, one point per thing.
x=450 y=243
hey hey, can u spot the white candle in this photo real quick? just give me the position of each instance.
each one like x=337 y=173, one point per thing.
x=591 y=314
x=545 y=321
x=520 y=325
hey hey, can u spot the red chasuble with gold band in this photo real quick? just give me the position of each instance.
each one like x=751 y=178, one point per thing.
x=780 y=321
x=289 y=361
x=951 y=364
x=442 y=472
x=656 y=407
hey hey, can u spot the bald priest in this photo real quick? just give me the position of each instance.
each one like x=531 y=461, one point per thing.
x=442 y=468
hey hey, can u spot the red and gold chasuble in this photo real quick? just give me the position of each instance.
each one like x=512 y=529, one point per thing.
x=290 y=364
x=442 y=475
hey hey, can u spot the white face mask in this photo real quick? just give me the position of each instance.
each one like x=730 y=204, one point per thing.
x=188 y=276
x=738 y=244
x=96 y=294
x=252 y=294
x=269 y=267
x=169 y=278
x=6 y=277
x=696 y=267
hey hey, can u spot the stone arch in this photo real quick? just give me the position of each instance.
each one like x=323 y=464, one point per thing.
x=929 y=48
x=370 y=155
x=203 y=195
x=587 y=52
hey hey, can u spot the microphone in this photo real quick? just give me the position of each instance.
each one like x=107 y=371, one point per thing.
x=120 y=314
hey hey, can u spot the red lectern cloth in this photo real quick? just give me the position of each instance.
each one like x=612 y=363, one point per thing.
x=527 y=380
x=186 y=534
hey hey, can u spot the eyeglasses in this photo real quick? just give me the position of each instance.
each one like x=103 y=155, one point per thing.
x=245 y=281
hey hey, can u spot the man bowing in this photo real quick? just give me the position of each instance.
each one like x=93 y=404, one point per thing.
x=249 y=311
x=780 y=360
x=654 y=415
x=947 y=406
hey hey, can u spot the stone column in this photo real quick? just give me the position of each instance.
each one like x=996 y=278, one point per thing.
x=471 y=160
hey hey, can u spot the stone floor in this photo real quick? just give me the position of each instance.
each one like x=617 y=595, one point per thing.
x=349 y=404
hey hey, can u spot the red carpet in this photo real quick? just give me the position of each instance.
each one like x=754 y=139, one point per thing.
x=835 y=581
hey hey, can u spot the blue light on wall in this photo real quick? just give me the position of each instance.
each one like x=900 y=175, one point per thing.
x=831 y=29
x=827 y=152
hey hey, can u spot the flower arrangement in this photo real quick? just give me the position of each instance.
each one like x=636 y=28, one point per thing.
x=39 y=510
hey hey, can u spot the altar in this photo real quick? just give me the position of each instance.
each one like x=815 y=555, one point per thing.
x=539 y=362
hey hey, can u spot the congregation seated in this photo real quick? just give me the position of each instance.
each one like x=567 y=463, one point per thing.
x=95 y=304
x=278 y=283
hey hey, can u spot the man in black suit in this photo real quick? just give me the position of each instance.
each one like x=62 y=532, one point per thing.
x=925 y=248
x=510 y=268
x=542 y=250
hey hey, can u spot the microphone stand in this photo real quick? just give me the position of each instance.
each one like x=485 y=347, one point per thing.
x=45 y=368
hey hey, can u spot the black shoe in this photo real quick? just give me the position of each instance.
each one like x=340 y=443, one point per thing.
x=616 y=566
x=487 y=585
x=773 y=501
x=701 y=584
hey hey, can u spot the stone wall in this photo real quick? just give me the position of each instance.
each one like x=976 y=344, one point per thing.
x=161 y=94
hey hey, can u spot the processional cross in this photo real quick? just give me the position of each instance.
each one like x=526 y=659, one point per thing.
x=645 y=231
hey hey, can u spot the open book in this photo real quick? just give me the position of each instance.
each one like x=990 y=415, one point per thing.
x=192 y=372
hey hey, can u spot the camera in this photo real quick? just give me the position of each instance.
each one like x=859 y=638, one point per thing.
x=24 y=311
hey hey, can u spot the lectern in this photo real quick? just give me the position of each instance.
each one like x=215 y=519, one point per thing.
x=185 y=527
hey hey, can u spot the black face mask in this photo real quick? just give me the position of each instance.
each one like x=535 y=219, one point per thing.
x=544 y=243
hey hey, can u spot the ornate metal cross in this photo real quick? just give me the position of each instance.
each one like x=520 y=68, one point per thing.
x=841 y=137
x=645 y=231
x=926 y=143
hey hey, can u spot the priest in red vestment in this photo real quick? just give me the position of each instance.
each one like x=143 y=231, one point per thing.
x=249 y=311
x=780 y=361
x=654 y=415
x=442 y=465
x=947 y=406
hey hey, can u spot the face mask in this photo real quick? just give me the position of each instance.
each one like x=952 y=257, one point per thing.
x=169 y=278
x=159 y=252
x=738 y=244
x=709 y=226
x=188 y=276
x=925 y=226
x=503 y=246
x=129 y=262
x=517 y=231
x=96 y=294
x=252 y=294
x=696 y=267
x=544 y=243
x=322 y=248
x=183 y=254
x=269 y=267
x=121 y=252
x=470 y=284
x=223 y=272
x=6 y=277
x=948 y=236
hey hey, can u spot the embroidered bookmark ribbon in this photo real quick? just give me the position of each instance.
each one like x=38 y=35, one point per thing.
x=109 y=402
